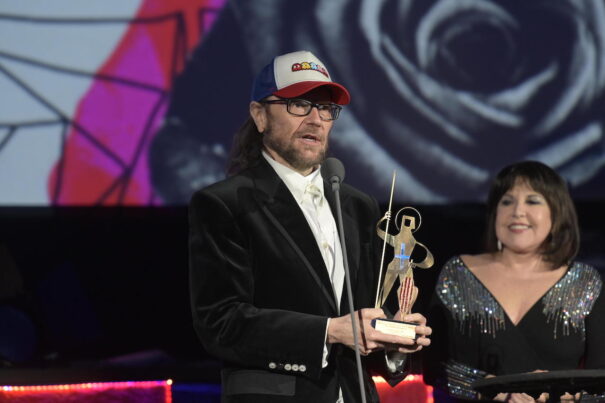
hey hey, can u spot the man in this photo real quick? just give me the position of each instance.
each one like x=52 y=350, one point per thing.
x=266 y=262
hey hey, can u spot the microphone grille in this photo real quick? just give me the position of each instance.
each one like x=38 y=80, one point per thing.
x=333 y=168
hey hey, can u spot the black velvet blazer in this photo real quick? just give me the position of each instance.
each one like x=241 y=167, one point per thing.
x=260 y=290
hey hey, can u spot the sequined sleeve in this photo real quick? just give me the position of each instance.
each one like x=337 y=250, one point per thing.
x=595 y=331
x=459 y=380
x=469 y=302
x=569 y=302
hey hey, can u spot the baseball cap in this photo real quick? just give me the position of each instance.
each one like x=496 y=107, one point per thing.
x=294 y=74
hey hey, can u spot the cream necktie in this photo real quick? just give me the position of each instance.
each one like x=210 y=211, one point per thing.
x=323 y=234
x=326 y=236
x=316 y=195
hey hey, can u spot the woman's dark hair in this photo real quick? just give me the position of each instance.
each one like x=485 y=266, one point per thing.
x=563 y=242
x=246 y=148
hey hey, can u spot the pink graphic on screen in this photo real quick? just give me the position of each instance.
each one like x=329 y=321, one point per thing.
x=104 y=158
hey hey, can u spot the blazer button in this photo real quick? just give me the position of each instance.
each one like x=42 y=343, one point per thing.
x=287 y=367
x=294 y=367
x=272 y=365
x=302 y=368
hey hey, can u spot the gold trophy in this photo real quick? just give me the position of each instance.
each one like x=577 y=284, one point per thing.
x=402 y=267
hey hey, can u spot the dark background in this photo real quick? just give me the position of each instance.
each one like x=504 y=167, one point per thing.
x=107 y=287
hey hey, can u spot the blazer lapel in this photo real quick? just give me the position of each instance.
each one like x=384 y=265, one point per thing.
x=282 y=210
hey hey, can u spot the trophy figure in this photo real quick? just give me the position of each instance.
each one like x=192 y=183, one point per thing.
x=402 y=267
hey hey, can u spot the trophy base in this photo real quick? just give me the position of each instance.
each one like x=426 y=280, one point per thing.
x=395 y=328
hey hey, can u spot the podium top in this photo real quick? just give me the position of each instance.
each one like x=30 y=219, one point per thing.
x=554 y=382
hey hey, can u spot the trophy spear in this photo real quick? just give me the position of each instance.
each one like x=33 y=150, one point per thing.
x=379 y=289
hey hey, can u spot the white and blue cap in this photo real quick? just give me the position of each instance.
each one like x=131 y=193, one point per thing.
x=294 y=74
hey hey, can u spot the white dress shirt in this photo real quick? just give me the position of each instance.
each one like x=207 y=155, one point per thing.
x=319 y=217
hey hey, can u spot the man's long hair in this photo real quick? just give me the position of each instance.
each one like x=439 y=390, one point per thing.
x=246 y=148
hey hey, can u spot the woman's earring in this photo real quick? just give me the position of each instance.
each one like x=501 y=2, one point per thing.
x=499 y=245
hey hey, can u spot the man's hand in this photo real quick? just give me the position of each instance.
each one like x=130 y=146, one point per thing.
x=422 y=330
x=340 y=331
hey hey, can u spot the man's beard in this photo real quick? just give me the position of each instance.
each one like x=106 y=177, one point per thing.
x=293 y=155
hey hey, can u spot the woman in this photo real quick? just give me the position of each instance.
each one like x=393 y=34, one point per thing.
x=525 y=305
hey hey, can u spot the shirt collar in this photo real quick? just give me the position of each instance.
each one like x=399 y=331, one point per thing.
x=295 y=182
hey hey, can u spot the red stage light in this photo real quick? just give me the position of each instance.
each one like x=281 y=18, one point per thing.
x=411 y=390
x=148 y=391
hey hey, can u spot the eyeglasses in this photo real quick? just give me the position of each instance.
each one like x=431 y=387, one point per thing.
x=302 y=107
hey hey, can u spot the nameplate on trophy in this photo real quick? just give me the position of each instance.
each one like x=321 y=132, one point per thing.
x=395 y=328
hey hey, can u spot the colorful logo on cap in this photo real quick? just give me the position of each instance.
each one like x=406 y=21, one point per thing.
x=310 y=66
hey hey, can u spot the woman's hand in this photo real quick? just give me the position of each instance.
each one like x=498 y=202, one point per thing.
x=520 y=397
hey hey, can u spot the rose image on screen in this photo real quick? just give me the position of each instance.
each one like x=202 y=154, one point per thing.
x=444 y=92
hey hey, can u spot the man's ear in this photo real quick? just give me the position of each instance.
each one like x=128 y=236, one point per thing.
x=259 y=115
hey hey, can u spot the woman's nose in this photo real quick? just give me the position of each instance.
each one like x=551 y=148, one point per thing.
x=518 y=210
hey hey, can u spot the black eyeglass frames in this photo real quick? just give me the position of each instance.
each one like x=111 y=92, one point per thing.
x=302 y=107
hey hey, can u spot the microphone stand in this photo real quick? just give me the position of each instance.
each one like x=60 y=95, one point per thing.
x=335 y=181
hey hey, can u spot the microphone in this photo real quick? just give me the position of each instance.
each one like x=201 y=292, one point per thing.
x=334 y=172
